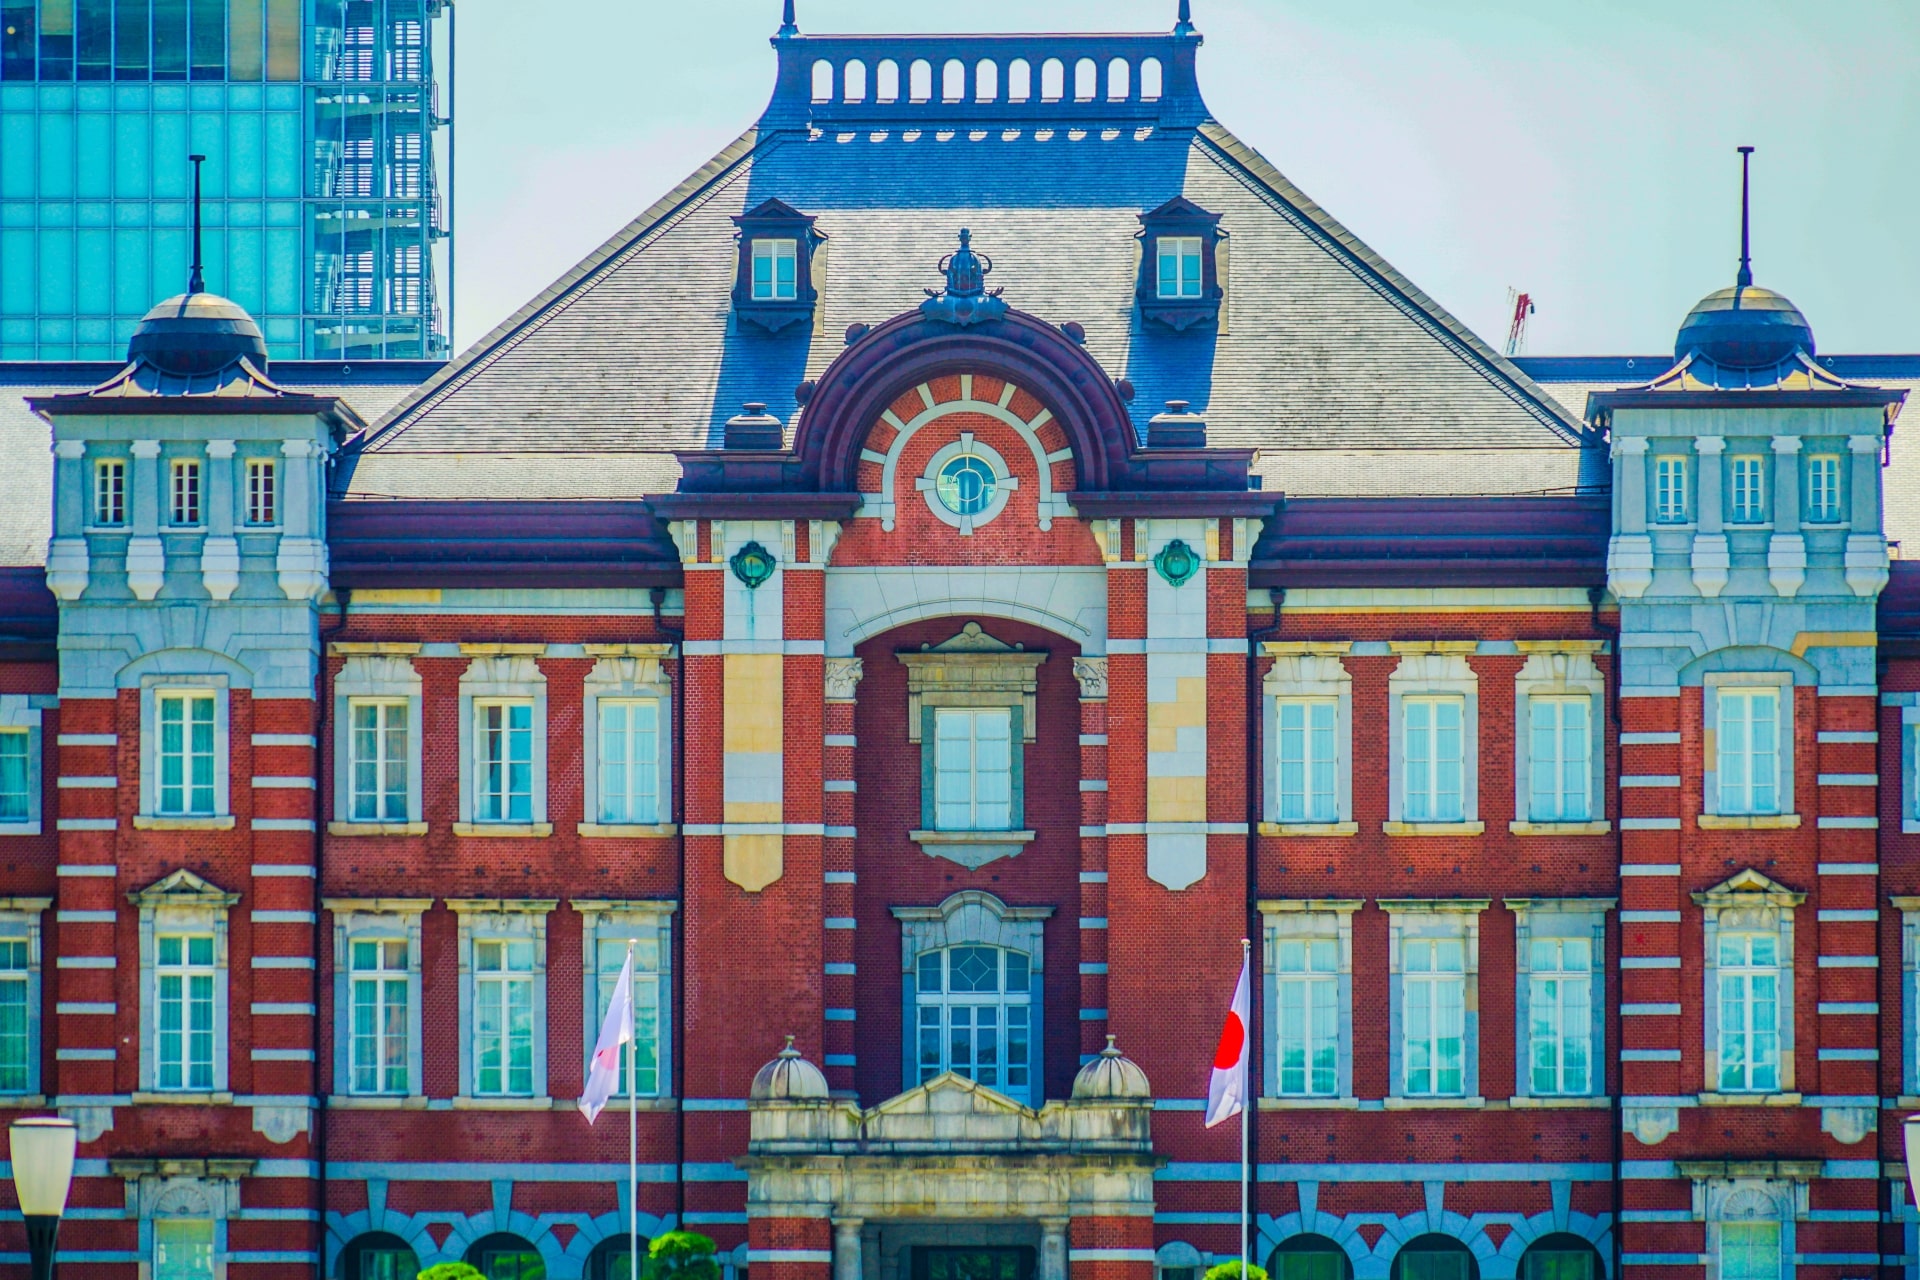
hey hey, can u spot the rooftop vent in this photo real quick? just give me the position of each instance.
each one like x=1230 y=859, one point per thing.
x=1177 y=428
x=753 y=429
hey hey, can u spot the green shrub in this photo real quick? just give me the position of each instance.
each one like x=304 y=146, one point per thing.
x=680 y=1255
x=452 y=1271
x=1231 y=1271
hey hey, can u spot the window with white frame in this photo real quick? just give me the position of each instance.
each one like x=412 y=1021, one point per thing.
x=1750 y=1251
x=185 y=978
x=973 y=1016
x=1179 y=266
x=16 y=1015
x=1746 y=475
x=973 y=769
x=380 y=760
x=1433 y=992
x=379 y=987
x=774 y=271
x=1307 y=756
x=1560 y=760
x=610 y=956
x=503 y=1021
x=1748 y=945
x=1560 y=1016
x=184 y=492
x=1433 y=758
x=184 y=755
x=183 y=1249
x=1670 y=488
x=110 y=493
x=16 y=775
x=629 y=760
x=1748 y=968
x=502 y=760
x=1306 y=1035
x=1823 y=488
x=1750 y=1225
x=263 y=491
x=1747 y=749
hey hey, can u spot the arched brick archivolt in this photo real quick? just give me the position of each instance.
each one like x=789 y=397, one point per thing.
x=1516 y=1231
x=931 y=404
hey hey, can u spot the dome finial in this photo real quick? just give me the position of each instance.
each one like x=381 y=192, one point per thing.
x=788 y=27
x=1745 y=279
x=196 y=280
x=1183 y=24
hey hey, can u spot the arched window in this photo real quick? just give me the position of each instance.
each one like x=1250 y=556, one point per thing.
x=886 y=81
x=1434 y=1257
x=1309 y=1257
x=973 y=970
x=378 y=1256
x=1019 y=80
x=613 y=1260
x=953 y=80
x=1085 y=78
x=1150 y=80
x=823 y=81
x=1053 y=80
x=986 y=80
x=854 y=78
x=1560 y=1256
x=973 y=1016
x=503 y=1256
x=1119 y=80
x=920 y=81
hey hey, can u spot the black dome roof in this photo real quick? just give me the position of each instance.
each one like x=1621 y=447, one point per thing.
x=1745 y=327
x=197 y=333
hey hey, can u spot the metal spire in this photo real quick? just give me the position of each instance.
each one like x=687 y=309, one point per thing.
x=1745 y=279
x=788 y=27
x=1183 y=25
x=196 y=281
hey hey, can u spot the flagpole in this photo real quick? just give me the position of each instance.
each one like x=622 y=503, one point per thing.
x=633 y=1138
x=1246 y=1108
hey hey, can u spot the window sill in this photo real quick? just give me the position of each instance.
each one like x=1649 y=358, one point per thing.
x=971 y=849
x=1749 y=821
x=152 y=822
x=23 y=1100
x=1435 y=1104
x=376 y=1102
x=468 y=1103
x=1558 y=1103
x=376 y=828
x=182 y=1099
x=1559 y=828
x=19 y=828
x=1309 y=828
x=1434 y=828
x=1750 y=1099
x=521 y=829
x=618 y=1102
x=1309 y=1104
x=624 y=830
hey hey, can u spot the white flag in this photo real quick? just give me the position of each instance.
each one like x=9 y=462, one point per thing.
x=1227 y=1090
x=603 y=1069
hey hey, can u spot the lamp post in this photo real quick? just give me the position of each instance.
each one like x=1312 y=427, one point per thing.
x=42 y=1153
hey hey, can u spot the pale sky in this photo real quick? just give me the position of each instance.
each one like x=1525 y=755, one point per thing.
x=1580 y=150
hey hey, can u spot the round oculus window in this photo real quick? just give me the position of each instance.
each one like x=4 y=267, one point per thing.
x=966 y=485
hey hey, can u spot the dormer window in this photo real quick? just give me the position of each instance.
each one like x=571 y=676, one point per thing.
x=778 y=250
x=773 y=271
x=1180 y=278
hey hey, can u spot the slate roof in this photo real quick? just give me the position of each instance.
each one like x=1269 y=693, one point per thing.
x=1326 y=350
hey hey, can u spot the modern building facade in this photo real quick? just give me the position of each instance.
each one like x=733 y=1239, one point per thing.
x=928 y=589
x=318 y=120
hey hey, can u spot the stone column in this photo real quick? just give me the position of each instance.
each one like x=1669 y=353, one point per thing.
x=219 y=551
x=67 y=563
x=1630 y=553
x=1710 y=559
x=301 y=565
x=146 y=558
x=1787 y=549
x=1866 y=544
x=1053 y=1249
x=846 y=1248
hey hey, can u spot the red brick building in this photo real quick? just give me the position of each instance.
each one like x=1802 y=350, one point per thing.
x=942 y=682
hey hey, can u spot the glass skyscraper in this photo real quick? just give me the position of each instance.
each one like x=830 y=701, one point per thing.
x=323 y=211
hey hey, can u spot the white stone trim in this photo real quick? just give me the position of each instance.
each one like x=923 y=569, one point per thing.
x=509 y=676
x=381 y=678
x=1308 y=671
x=150 y=687
x=1713 y=682
x=1310 y=918
x=1004 y=482
x=183 y=902
x=1423 y=918
x=363 y=919
x=1560 y=918
x=638 y=676
x=499 y=919
x=1748 y=911
x=1048 y=503
x=1558 y=674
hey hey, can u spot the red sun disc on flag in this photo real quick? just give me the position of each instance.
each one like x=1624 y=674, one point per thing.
x=1233 y=1038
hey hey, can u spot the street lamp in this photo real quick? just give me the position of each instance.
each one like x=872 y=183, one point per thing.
x=42 y=1151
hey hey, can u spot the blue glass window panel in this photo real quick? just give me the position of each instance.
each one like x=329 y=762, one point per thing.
x=16 y=40
x=56 y=156
x=93 y=39
x=95 y=150
x=94 y=274
x=131 y=293
x=283 y=270
x=130 y=41
x=172 y=175
x=56 y=39
x=244 y=172
x=207 y=137
x=209 y=39
x=214 y=252
x=169 y=39
x=56 y=270
x=243 y=279
x=16 y=272
x=132 y=174
x=171 y=253
x=285 y=148
x=16 y=157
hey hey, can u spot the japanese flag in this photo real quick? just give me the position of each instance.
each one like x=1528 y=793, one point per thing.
x=1227 y=1090
x=603 y=1069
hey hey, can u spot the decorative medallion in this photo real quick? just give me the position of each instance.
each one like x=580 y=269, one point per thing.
x=1177 y=562
x=966 y=299
x=753 y=564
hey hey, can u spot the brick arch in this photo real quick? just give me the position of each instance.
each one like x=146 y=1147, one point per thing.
x=866 y=379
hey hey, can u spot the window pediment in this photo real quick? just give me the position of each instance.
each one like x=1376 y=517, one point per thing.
x=972 y=669
x=182 y=888
x=1748 y=888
